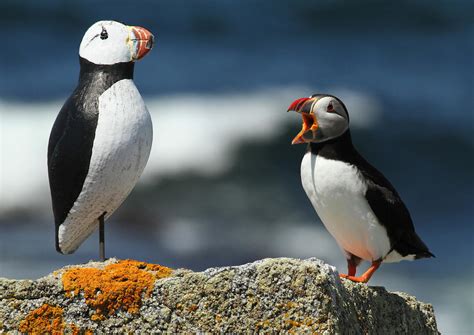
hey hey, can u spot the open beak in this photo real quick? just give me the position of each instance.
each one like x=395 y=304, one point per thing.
x=303 y=106
x=141 y=42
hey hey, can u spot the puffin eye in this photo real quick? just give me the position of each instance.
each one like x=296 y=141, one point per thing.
x=330 y=107
x=104 y=35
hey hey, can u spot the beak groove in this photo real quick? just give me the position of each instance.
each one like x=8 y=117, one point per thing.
x=297 y=104
x=142 y=41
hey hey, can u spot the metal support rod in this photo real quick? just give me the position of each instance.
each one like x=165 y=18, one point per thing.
x=101 y=238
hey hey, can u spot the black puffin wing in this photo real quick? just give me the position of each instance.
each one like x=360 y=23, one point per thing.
x=391 y=212
x=389 y=209
x=69 y=153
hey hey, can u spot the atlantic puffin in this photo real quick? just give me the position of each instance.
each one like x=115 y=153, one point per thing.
x=358 y=206
x=102 y=136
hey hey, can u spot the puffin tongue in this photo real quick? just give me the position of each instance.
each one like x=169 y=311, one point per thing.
x=309 y=124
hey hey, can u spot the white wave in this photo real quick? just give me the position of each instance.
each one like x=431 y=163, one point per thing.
x=192 y=133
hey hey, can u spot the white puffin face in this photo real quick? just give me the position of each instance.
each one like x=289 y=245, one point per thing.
x=110 y=42
x=324 y=118
x=332 y=118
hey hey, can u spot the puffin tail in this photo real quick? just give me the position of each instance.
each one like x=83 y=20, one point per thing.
x=58 y=248
x=425 y=254
x=411 y=244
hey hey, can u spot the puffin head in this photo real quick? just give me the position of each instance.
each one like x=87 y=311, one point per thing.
x=110 y=42
x=324 y=117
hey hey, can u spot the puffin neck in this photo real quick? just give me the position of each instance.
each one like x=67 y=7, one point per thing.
x=112 y=73
x=335 y=148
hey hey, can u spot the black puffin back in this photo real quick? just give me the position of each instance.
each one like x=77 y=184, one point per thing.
x=382 y=197
x=72 y=136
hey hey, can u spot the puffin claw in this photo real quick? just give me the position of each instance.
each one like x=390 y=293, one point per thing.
x=366 y=276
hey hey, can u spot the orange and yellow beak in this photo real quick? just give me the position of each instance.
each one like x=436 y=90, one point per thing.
x=310 y=123
x=141 y=42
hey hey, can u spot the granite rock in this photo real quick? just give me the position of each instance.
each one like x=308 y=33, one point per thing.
x=268 y=296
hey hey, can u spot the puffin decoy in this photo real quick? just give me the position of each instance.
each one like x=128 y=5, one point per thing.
x=102 y=136
x=358 y=206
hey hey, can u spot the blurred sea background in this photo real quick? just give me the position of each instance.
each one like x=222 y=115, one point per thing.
x=222 y=186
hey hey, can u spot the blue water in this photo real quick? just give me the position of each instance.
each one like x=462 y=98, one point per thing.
x=414 y=58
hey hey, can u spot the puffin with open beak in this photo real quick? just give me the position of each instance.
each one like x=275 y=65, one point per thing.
x=358 y=206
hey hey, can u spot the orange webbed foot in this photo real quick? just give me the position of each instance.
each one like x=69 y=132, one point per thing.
x=361 y=279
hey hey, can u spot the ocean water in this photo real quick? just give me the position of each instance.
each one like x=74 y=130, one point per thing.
x=222 y=185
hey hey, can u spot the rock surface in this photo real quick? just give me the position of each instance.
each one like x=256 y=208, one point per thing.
x=271 y=295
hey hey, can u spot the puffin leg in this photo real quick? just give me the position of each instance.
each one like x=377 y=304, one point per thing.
x=352 y=263
x=367 y=274
x=101 y=238
x=351 y=268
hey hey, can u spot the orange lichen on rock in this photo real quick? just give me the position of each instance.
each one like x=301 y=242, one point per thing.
x=75 y=330
x=46 y=319
x=117 y=286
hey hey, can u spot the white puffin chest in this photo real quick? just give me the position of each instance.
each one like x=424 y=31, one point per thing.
x=123 y=137
x=337 y=192
x=120 y=151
